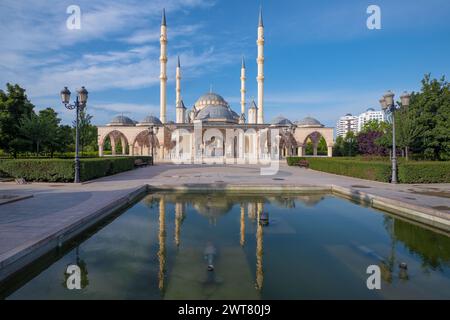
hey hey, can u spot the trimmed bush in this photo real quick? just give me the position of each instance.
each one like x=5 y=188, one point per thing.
x=424 y=172
x=408 y=171
x=51 y=170
x=369 y=170
x=62 y=170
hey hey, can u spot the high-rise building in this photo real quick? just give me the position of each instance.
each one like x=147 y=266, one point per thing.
x=369 y=115
x=346 y=124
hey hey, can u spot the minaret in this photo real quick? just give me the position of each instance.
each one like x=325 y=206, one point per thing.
x=179 y=105
x=260 y=61
x=178 y=83
x=163 y=74
x=243 y=87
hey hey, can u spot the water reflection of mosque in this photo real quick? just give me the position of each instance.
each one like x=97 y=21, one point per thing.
x=213 y=206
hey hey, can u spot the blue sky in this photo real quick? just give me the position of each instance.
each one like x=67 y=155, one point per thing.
x=321 y=60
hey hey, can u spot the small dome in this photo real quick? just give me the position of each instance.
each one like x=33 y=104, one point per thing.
x=281 y=121
x=371 y=109
x=121 y=121
x=217 y=113
x=149 y=120
x=309 y=122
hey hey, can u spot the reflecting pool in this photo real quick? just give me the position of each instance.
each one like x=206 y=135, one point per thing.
x=233 y=246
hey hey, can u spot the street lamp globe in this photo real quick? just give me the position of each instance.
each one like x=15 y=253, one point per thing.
x=389 y=98
x=65 y=95
x=83 y=96
x=405 y=99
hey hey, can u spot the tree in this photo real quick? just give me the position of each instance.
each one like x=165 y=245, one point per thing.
x=88 y=132
x=322 y=148
x=369 y=136
x=407 y=129
x=14 y=105
x=338 y=148
x=367 y=143
x=350 y=144
x=431 y=110
x=34 y=130
x=49 y=119
x=65 y=138
x=375 y=125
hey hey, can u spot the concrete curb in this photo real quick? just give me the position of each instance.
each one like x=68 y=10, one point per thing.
x=230 y=188
x=18 y=258
x=413 y=212
x=18 y=198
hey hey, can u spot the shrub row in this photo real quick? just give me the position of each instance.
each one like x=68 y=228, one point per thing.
x=51 y=170
x=369 y=170
x=408 y=171
x=62 y=170
x=424 y=172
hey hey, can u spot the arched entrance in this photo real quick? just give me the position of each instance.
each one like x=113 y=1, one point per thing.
x=115 y=142
x=143 y=144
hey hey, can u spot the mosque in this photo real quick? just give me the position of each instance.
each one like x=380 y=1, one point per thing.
x=211 y=130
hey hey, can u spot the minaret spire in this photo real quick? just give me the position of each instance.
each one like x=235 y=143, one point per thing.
x=260 y=62
x=243 y=87
x=163 y=66
x=179 y=105
x=163 y=20
x=178 y=83
x=261 y=22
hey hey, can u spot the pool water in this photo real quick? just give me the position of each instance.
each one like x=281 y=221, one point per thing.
x=216 y=246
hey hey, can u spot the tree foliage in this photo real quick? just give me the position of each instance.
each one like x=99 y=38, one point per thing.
x=23 y=130
x=14 y=105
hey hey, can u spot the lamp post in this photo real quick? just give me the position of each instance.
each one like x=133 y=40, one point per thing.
x=79 y=104
x=390 y=107
x=152 y=132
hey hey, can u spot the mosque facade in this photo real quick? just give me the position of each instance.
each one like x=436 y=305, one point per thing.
x=211 y=130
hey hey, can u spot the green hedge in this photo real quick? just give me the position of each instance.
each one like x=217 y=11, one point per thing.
x=62 y=170
x=51 y=170
x=369 y=170
x=424 y=172
x=408 y=171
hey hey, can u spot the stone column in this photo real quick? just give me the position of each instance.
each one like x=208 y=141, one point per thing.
x=130 y=150
x=330 y=151
x=124 y=146
x=113 y=145
x=100 y=150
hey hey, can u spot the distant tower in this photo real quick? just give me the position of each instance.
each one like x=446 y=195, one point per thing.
x=163 y=63
x=180 y=108
x=260 y=61
x=243 y=87
x=178 y=83
x=252 y=113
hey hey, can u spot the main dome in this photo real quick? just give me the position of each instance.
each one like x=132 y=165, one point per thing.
x=210 y=99
x=217 y=113
x=213 y=107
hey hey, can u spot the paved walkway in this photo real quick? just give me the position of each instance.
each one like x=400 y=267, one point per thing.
x=54 y=207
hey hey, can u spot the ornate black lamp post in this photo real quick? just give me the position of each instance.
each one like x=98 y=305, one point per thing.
x=152 y=132
x=389 y=106
x=79 y=104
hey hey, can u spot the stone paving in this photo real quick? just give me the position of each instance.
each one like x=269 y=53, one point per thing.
x=55 y=206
